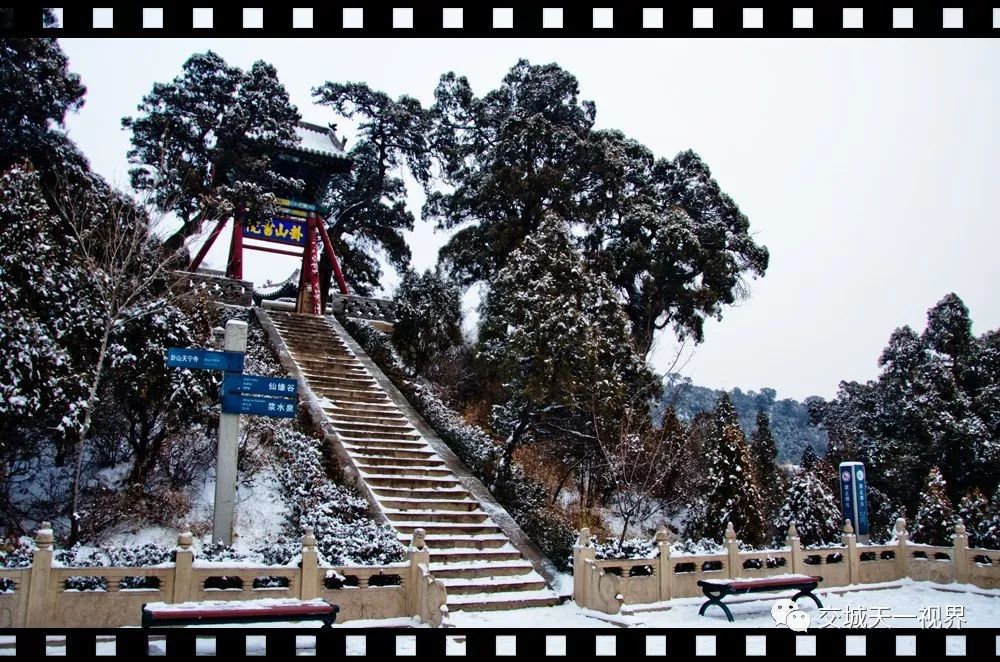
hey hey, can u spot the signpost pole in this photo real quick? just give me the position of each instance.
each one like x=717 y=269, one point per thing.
x=229 y=432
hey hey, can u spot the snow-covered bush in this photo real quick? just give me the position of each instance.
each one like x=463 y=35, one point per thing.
x=17 y=553
x=526 y=500
x=704 y=546
x=630 y=548
x=345 y=532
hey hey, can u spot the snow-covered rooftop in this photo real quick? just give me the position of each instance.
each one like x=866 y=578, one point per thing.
x=316 y=139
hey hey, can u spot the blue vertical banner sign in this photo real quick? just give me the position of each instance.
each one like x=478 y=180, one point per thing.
x=854 y=495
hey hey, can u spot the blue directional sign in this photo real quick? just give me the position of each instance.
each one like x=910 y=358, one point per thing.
x=204 y=359
x=260 y=385
x=258 y=406
x=854 y=495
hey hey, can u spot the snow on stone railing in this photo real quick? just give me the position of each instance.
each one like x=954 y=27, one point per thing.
x=607 y=584
x=46 y=594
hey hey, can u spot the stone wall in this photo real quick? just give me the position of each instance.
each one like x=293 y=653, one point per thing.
x=606 y=585
x=40 y=598
x=218 y=287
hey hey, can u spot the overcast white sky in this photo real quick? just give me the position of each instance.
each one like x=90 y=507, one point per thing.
x=867 y=167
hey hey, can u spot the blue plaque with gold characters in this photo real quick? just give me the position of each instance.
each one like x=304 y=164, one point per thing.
x=291 y=231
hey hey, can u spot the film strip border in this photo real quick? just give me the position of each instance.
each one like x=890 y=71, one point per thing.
x=490 y=643
x=288 y=20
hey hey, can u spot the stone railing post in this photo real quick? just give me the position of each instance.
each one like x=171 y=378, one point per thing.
x=663 y=572
x=37 y=612
x=732 y=545
x=418 y=555
x=583 y=551
x=183 y=575
x=902 y=549
x=309 y=575
x=795 y=547
x=850 y=541
x=960 y=554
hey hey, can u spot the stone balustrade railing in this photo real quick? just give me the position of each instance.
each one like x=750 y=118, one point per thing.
x=43 y=594
x=606 y=585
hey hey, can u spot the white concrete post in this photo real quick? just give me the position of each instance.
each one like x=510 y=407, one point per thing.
x=663 y=573
x=795 y=549
x=960 y=554
x=583 y=551
x=732 y=545
x=225 y=463
x=850 y=541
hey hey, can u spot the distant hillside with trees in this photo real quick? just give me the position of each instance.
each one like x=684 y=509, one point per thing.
x=789 y=418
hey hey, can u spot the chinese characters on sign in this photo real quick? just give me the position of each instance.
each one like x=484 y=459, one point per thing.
x=853 y=496
x=278 y=229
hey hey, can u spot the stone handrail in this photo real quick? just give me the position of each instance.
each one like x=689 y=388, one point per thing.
x=39 y=595
x=675 y=575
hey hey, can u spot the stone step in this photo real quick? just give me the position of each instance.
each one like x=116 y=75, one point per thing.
x=391 y=470
x=449 y=528
x=364 y=386
x=489 y=568
x=426 y=462
x=328 y=364
x=464 y=556
x=351 y=396
x=359 y=383
x=401 y=504
x=374 y=425
x=360 y=408
x=438 y=494
x=466 y=541
x=400 y=516
x=395 y=444
x=350 y=433
x=491 y=585
x=362 y=416
x=502 y=601
x=416 y=455
x=388 y=480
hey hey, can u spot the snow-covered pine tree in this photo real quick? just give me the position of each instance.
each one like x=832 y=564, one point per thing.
x=555 y=338
x=191 y=142
x=368 y=211
x=765 y=456
x=49 y=313
x=733 y=494
x=674 y=245
x=990 y=529
x=428 y=318
x=935 y=520
x=811 y=506
x=808 y=458
x=935 y=402
x=38 y=90
x=975 y=512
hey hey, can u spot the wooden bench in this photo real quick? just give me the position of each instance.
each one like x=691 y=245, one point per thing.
x=159 y=614
x=717 y=589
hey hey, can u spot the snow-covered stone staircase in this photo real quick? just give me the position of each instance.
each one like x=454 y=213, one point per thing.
x=410 y=482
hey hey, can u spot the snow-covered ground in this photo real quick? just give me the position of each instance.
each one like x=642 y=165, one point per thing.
x=900 y=604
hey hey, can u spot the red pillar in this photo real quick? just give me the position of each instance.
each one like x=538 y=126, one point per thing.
x=309 y=293
x=328 y=246
x=235 y=267
x=196 y=262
